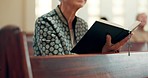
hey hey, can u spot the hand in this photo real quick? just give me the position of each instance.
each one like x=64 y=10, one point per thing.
x=114 y=48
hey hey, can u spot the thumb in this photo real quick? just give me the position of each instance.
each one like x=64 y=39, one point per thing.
x=108 y=40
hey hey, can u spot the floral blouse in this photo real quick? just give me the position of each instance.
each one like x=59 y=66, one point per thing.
x=52 y=34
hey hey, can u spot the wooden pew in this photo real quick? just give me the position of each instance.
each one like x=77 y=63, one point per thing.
x=91 y=66
x=14 y=57
x=135 y=46
x=29 y=39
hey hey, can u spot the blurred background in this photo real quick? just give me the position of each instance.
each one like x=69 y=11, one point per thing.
x=24 y=12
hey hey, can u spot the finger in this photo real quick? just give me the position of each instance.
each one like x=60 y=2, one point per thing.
x=121 y=43
x=130 y=35
x=108 y=40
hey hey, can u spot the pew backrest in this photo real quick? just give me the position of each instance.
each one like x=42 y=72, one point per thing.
x=14 y=57
x=118 y=65
x=29 y=39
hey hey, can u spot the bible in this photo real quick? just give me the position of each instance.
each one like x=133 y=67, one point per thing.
x=95 y=38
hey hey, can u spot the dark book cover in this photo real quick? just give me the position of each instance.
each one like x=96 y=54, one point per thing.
x=95 y=38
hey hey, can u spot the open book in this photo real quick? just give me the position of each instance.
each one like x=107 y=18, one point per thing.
x=95 y=38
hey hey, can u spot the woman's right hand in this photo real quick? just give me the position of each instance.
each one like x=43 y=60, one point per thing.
x=114 y=48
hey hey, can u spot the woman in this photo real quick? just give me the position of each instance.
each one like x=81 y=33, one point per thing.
x=57 y=32
x=140 y=34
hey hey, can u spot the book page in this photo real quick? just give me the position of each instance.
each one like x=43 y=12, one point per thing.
x=134 y=26
x=111 y=23
x=131 y=28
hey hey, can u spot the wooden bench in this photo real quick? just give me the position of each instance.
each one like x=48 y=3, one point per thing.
x=14 y=57
x=135 y=46
x=29 y=39
x=15 y=62
x=91 y=66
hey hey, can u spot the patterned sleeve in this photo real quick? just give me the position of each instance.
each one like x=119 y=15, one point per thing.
x=45 y=40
